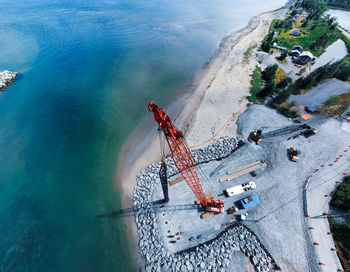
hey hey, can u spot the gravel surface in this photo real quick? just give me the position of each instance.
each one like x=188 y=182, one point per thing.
x=276 y=233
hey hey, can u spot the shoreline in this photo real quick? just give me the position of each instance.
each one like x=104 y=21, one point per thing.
x=142 y=148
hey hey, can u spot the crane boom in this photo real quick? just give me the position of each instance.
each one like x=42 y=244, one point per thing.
x=182 y=158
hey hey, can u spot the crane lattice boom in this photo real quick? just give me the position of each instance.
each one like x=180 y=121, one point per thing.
x=182 y=158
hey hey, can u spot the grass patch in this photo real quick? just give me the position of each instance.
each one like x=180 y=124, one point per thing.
x=335 y=105
x=248 y=53
x=286 y=109
x=332 y=101
x=315 y=36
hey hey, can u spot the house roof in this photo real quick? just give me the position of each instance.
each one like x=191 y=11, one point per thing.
x=275 y=45
x=306 y=116
x=307 y=54
x=281 y=47
x=296 y=47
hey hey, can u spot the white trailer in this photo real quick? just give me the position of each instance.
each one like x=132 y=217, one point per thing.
x=239 y=189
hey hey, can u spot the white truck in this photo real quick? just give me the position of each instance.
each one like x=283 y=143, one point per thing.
x=239 y=189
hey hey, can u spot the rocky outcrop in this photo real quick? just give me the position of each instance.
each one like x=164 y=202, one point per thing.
x=6 y=78
x=213 y=255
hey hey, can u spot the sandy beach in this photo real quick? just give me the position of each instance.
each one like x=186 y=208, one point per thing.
x=205 y=110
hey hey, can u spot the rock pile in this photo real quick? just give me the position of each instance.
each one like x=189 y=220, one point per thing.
x=7 y=77
x=214 y=255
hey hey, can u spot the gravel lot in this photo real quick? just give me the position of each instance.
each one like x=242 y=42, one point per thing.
x=279 y=222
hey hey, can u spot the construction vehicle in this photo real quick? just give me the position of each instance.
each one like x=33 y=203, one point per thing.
x=249 y=201
x=255 y=136
x=293 y=154
x=239 y=189
x=183 y=160
x=307 y=132
x=242 y=217
x=310 y=132
x=232 y=210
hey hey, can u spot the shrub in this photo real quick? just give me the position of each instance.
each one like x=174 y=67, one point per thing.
x=287 y=112
x=284 y=83
x=269 y=73
x=341 y=231
x=341 y=198
x=269 y=89
x=282 y=96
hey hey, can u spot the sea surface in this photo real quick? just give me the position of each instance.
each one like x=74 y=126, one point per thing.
x=87 y=72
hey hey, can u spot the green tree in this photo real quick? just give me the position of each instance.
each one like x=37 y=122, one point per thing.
x=315 y=8
x=283 y=55
x=282 y=96
x=284 y=83
x=341 y=231
x=343 y=73
x=268 y=90
x=341 y=198
x=287 y=24
x=270 y=72
x=265 y=46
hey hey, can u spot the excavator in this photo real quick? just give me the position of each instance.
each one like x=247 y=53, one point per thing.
x=255 y=136
x=183 y=162
x=293 y=154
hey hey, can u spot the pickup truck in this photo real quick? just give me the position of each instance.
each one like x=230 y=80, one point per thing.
x=239 y=189
x=249 y=201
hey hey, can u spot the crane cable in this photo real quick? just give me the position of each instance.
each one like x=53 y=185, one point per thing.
x=201 y=173
x=206 y=180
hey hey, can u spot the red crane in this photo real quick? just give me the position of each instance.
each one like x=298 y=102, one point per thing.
x=182 y=158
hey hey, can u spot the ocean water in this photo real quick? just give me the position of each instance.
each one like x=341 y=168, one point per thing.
x=87 y=72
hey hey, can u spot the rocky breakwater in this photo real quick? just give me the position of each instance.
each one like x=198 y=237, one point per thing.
x=6 y=78
x=213 y=255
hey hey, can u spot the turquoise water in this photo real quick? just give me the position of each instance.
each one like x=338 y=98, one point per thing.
x=88 y=70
